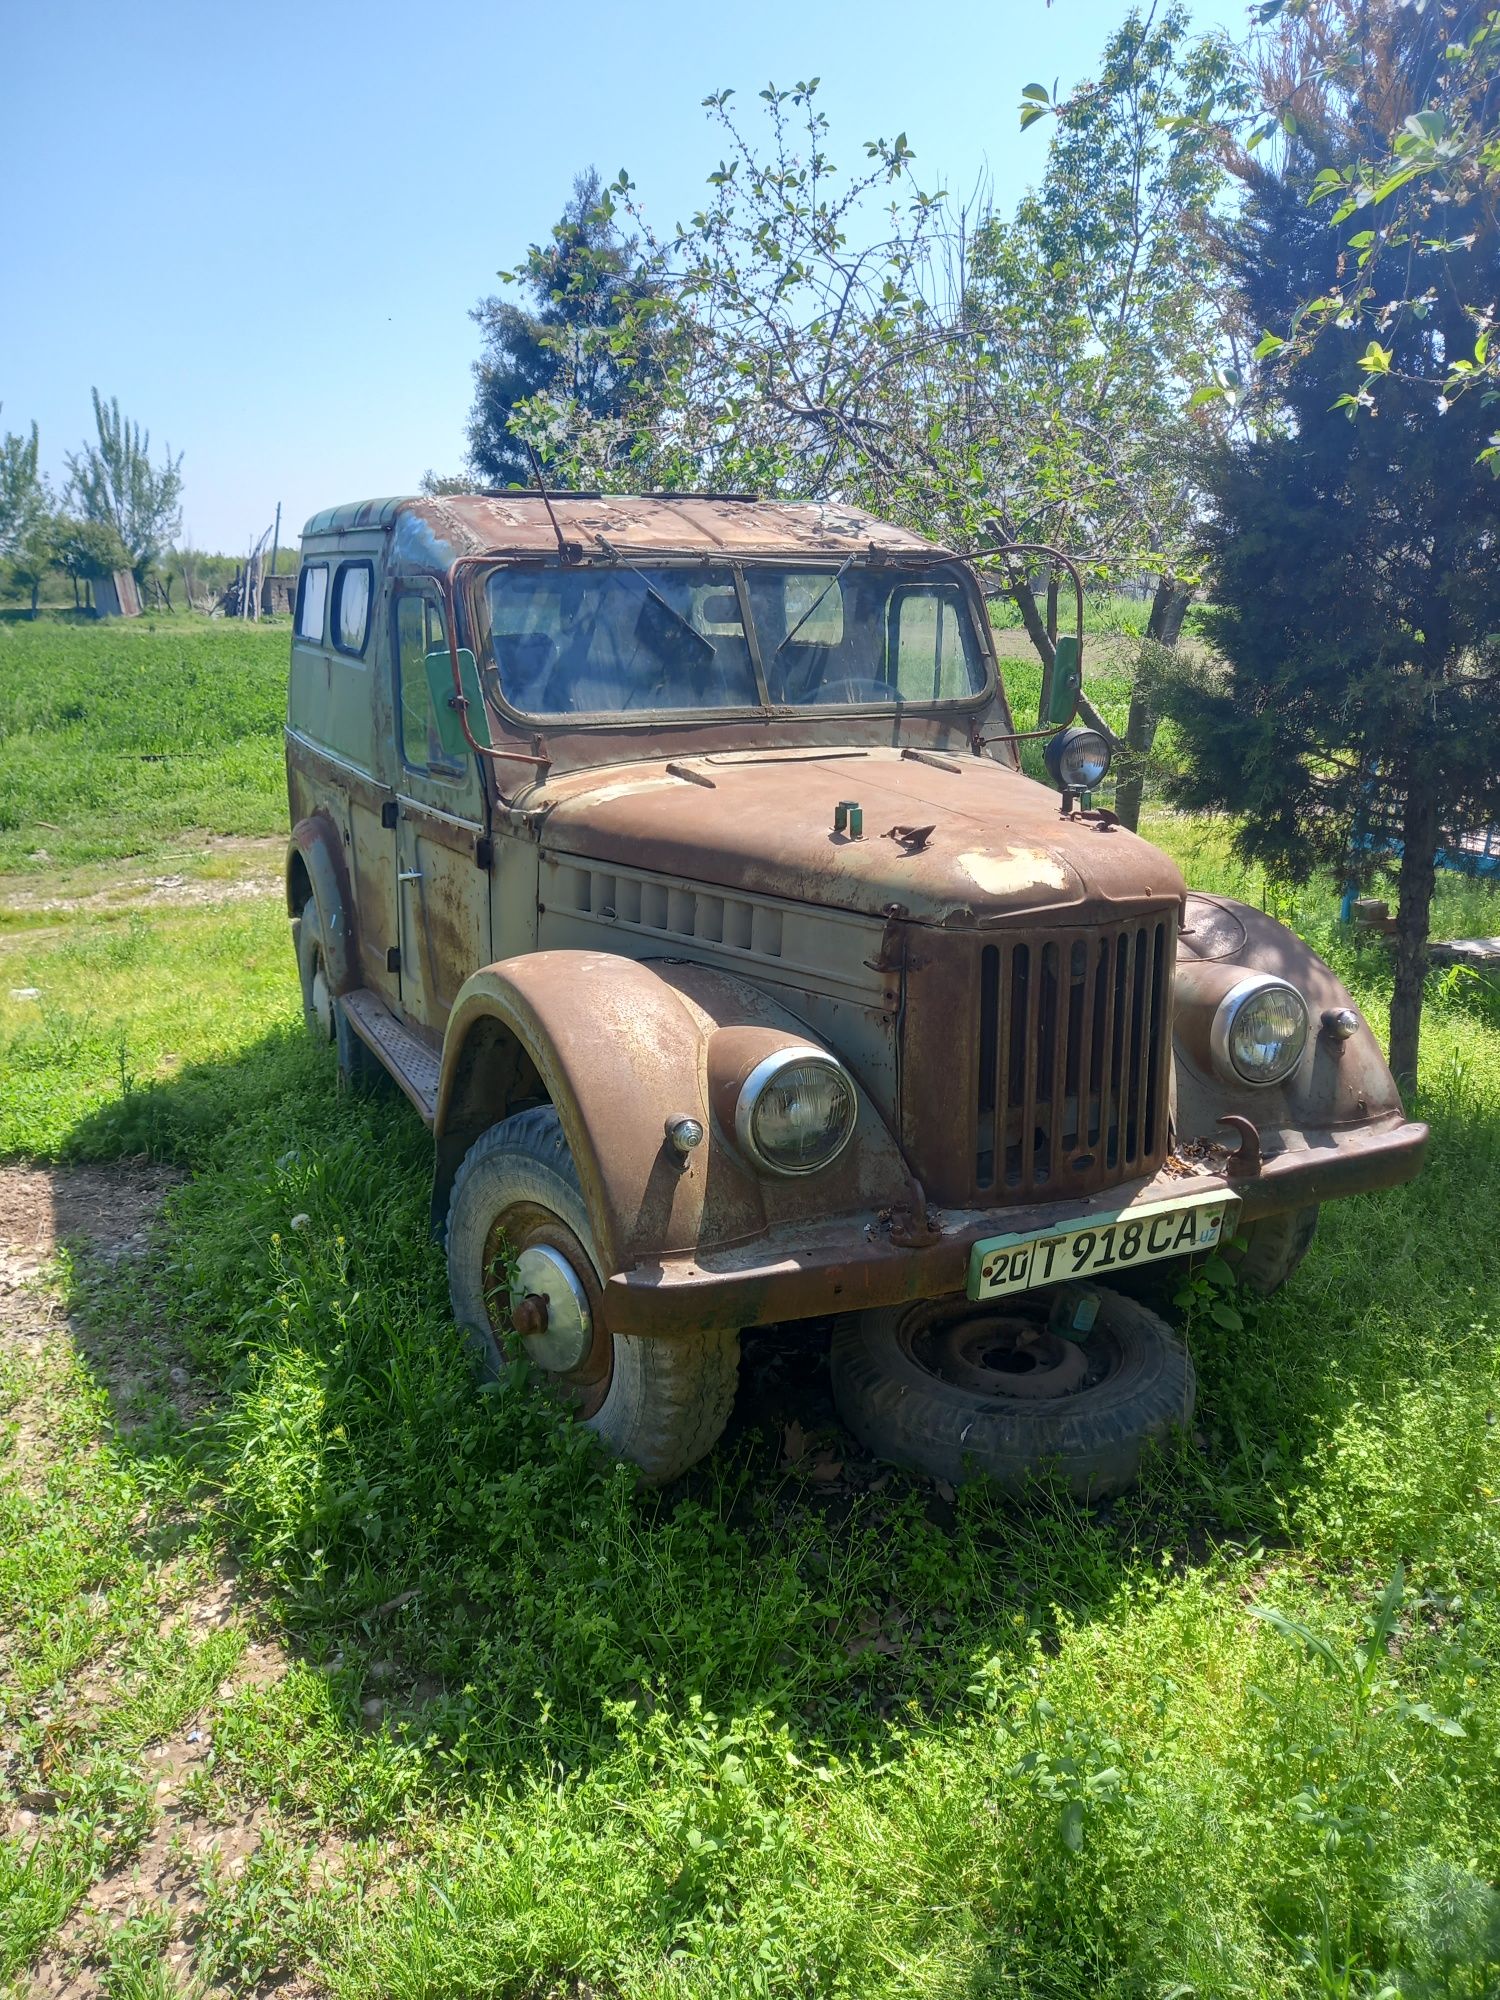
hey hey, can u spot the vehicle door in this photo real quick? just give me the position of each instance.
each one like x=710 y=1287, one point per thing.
x=339 y=713
x=442 y=835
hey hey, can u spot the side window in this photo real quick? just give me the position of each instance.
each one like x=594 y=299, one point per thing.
x=351 y=607
x=312 y=598
x=932 y=660
x=815 y=610
x=420 y=631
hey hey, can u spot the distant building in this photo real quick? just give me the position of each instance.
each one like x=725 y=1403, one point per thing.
x=116 y=596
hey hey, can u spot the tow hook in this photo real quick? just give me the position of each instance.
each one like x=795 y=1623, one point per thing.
x=1246 y=1158
x=912 y=1228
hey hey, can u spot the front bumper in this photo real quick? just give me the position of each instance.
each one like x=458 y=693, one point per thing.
x=852 y=1262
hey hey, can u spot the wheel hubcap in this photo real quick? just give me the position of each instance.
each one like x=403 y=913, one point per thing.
x=539 y=1289
x=547 y=1283
x=992 y=1354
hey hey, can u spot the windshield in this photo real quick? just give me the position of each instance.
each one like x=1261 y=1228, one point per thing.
x=661 y=636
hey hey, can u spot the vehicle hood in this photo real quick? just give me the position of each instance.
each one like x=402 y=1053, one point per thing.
x=762 y=822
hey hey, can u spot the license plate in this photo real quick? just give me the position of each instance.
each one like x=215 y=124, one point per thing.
x=1095 y=1245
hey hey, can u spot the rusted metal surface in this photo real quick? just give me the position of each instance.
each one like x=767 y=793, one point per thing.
x=678 y=1041
x=435 y=533
x=1038 y=1062
x=999 y=851
x=794 y=1274
x=1337 y=1085
x=1022 y=995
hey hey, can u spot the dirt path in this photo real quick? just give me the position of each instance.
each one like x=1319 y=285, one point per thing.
x=103 y=1216
x=230 y=868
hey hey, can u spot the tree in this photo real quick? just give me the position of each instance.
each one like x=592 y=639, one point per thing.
x=23 y=493
x=35 y=556
x=1356 y=568
x=437 y=485
x=86 y=550
x=583 y=284
x=113 y=482
x=1416 y=189
x=851 y=335
x=1127 y=305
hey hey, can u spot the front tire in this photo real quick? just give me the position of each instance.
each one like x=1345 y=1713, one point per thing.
x=1274 y=1246
x=517 y=1205
x=964 y=1389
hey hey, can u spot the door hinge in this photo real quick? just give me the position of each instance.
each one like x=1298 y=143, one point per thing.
x=484 y=852
x=393 y=958
x=390 y=812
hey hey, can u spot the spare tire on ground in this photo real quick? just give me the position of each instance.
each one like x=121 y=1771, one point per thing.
x=964 y=1389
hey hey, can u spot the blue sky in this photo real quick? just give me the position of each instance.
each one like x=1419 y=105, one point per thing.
x=262 y=229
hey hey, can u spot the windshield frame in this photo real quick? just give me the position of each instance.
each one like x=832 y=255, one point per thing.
x=919 y=566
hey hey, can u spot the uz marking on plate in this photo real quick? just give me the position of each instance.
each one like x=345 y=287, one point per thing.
x=1099 y=1243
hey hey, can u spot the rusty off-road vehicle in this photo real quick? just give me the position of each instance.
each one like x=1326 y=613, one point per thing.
x=675 y=857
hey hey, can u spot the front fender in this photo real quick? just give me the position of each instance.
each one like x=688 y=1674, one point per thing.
x=1337 y=1085
x=620 y=1046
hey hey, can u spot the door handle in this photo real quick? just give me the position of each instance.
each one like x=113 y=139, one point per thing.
x=409 y=875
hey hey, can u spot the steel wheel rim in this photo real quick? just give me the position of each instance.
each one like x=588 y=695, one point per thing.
x=1004 y=1352
x=528 y=1226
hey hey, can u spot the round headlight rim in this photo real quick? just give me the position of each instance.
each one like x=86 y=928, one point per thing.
x=1057 y=747
x=753 y=1089
x=1228 y=1012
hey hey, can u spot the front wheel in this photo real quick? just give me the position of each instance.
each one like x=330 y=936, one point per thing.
x=1274 y=1246
x=964 y=1389
x=520 y=1248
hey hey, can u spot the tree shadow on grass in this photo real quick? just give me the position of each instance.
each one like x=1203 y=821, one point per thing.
x=481 y=1568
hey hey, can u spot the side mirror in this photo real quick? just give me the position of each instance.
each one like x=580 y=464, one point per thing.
x=440 y=687
x=1067 y=681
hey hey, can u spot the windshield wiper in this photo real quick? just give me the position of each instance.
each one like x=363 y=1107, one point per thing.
x=813 y=606
x=652 y=592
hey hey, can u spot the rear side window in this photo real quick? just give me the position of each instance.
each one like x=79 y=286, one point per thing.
x=312 y=599
x=351 y=607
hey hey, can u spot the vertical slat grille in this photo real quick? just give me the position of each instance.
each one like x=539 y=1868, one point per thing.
x=1074 y=1035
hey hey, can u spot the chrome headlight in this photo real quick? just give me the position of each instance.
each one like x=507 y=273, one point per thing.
x=1078 y=759
x=1260 y=1030
x=796 y=1111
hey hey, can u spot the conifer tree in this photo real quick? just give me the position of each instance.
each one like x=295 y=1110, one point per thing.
x=584 y=284
x=1354 y=542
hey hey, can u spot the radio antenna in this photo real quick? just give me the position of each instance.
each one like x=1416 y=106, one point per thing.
x=570 y=552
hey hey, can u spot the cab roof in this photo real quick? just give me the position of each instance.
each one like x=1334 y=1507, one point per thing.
x=444 y=528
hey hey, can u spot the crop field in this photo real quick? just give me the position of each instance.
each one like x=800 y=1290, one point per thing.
x=324 y=1673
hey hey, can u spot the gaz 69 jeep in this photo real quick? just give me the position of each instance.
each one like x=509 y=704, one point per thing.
x=675 y=857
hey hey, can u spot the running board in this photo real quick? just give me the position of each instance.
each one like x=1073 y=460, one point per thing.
x=408 y=1058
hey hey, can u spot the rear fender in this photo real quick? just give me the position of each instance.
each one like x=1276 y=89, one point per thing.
x=315 y=865
x=620 y=1046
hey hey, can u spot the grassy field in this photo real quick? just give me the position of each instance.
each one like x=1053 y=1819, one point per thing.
x=320 y=1668
x=121 y=740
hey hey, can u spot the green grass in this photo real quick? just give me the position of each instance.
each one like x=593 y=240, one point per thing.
x=118 y=739
x=756 y=1736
